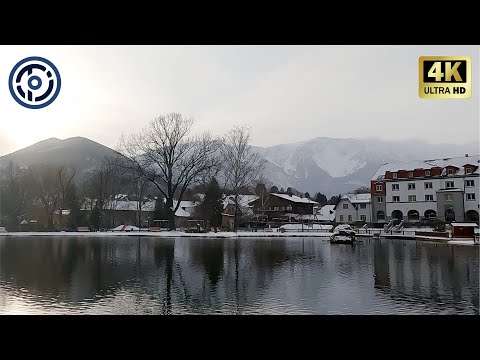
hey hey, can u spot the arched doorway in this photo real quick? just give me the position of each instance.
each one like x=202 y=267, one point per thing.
x=397 y=216
x=430 y=214
x=413 y=215
x=449 y=215
x=471 y=216
x=380 y=215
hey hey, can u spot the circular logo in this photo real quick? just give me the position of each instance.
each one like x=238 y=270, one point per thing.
x=34 y=82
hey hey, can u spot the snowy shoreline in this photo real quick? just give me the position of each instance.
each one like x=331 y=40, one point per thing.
x=171 y=234
x=218 y=235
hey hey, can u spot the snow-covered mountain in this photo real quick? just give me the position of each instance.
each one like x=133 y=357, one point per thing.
x=328 y=165
x=334 y=166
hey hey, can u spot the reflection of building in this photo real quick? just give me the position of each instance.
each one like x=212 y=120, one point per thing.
x=444 y=189
x=354 y=208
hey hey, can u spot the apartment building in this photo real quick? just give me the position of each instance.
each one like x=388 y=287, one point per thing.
x=444 y=189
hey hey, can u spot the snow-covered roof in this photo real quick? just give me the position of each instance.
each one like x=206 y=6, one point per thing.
x=130 y=205
x=295 y=198
x=358 y=198
x=244 y=200
x=186 y=204
x=186 y=208
x=458 y=162
x=182 y=213
x=326 y=213
x=464 y=224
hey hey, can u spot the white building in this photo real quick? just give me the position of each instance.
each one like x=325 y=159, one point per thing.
x=447 y=189
x=354 y=208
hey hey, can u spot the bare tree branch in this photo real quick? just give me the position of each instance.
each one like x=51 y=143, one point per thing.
x=165 y=154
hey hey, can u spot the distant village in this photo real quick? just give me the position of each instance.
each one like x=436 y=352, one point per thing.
x=416 y=193
x=164 y=180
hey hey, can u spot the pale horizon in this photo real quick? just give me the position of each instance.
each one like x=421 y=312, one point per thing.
x=286 y=94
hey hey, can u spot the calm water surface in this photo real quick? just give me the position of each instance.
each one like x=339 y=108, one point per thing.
x=129 y=275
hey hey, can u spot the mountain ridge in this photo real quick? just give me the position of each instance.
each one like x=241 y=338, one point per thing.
x=321 y=164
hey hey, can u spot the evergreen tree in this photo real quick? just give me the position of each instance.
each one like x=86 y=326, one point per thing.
x=210 y=209
x=321 y=199
x=274 y=189
x=334 y=199
x=95 y=218
x=307 y=195
x=160 y=212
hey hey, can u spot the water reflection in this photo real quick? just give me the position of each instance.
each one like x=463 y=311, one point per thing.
x=128 y=275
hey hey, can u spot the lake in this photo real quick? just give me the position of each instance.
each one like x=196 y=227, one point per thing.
x=132 y=275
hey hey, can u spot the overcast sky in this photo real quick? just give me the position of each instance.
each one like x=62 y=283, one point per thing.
x=285 y=93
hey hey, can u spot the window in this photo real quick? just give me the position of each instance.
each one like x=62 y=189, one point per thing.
x=448 y=197
x=283 y=208
x=427 y=172
x=450 y=171
x=396 y=198
x=394 y=175
x=345 y=206
x=363 y=206
x=428 y=197
x=341 y=217
x=470 y=183
x=276 y=208
x=380 y=215
x=349 y=217
x=380 y=199
x=410 y=174
x=412 y=198
x=363 y=217
x=428 y=185
x=289 y=207
x=379 y=187
x=471 y=196
x=395 y=187
x=449 y=184
x=411 y=186
x=468 y=170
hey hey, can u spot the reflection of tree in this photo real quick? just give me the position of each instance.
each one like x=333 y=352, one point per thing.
x=209 y=254
x=164 y=253
x=268 y=253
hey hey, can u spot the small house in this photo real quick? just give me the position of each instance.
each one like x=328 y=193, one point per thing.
x=463 y=230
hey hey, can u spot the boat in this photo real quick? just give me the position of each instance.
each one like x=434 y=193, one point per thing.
x=343 y=234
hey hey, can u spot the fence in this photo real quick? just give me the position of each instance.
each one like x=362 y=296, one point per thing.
x=383 y=232
x=305 y=229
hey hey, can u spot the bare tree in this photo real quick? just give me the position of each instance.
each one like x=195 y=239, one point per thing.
x=102 y=185
x=49 y=192
x=241 y=165
x=165 y=154
x=65 y=182
x=362 y=190
x=140 y=186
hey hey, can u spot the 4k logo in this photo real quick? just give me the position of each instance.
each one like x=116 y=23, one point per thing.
x=444 y=77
